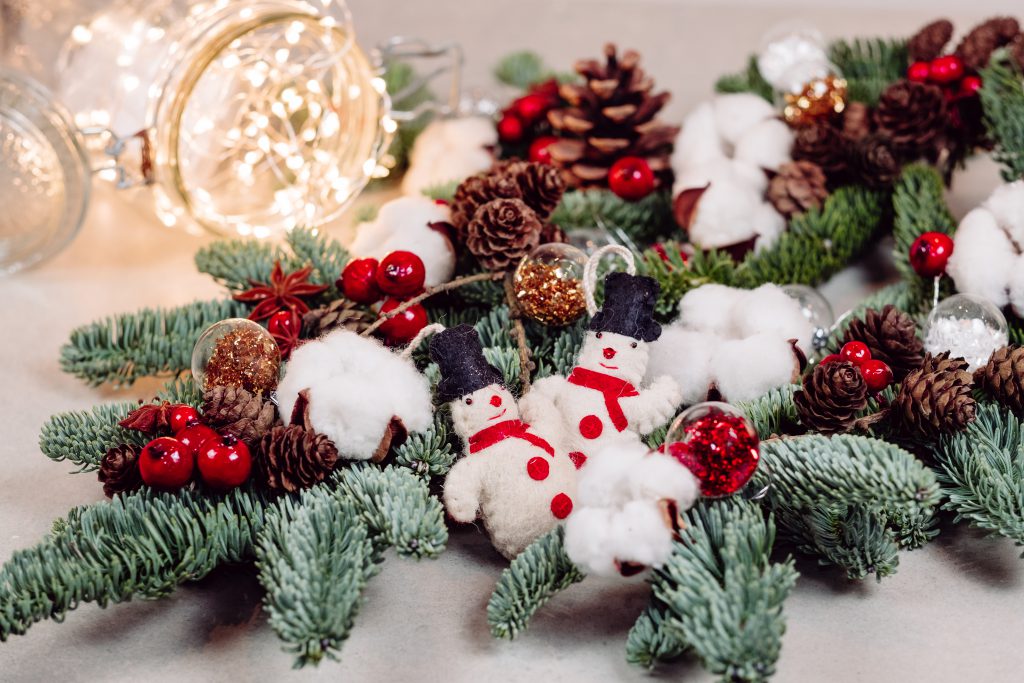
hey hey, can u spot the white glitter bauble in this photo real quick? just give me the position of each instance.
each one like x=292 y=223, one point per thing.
x=968 y=326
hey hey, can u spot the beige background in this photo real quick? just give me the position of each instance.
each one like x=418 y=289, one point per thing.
x=955 y=610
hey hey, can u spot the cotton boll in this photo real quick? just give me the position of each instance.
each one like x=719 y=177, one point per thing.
x=657 y=476
x=602 y=483
x=747 y=368
x=983 y=257
x=1007 y=205
x=768 y=224
x=765 y=145
x=684 y=355
x=709 y=308
x=723 y=216
x=404 y=224
x=1017 y=288
x=698 y=142
x=449 y=150
x=770 y=310
x=639 y=534
x=737 y=113
x=587 y=541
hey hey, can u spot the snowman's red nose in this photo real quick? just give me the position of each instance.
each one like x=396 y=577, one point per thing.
x=495 y=400
x=609 y=352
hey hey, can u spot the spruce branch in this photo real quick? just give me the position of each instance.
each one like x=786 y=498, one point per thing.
x=82 y=437
x=654 y=638
x=629 y=222
x=1002 y=99
x=869 y=65
x=676 y=277
x=772 y=413
x=522 y=69
x=749 y=80
x=326 y=255
x=237 y=263
x=533 y=577
x=919 y=206
x=123 y=348
x=432 y=452
x=429 y=292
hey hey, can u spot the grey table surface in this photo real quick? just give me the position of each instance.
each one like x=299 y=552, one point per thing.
x=953 y=612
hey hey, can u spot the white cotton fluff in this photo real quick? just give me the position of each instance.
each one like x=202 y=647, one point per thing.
x=765 y=145
x=709 y=308
x=750 y=367
x=596 y=538
x=449 y=150
x=769 y=310
x=684 y=355
x=1007 y=206
x=983 y=258
x=737 y=113
x=404 y=224
x=1017 y=288
x=356 y=385
x=698 y=142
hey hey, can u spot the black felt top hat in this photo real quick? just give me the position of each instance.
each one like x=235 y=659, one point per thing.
x=628 y=307
x=464 y=369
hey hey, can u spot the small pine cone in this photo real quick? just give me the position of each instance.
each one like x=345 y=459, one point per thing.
x=119 y=470
x=340 y=313
x=927 y=44
x=856 y=121
x=831 y=397
x=874 y=162
x=235 y=410
x=914 y=115
x=822 y=144
x=1002 y=378
x=891 y=336
x=502 y=232
x=797 y=187
x=977 y=46
x=292 y=458
x=541 y=186
x=552 y=233
x=480 y=189
x=934 y=399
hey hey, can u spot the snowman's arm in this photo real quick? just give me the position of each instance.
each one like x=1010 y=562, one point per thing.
x=654 y=406
x=540 y=403
x=462 y=489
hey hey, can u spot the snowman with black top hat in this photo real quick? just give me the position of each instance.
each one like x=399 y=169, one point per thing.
x=601 y=402
x=510 y=476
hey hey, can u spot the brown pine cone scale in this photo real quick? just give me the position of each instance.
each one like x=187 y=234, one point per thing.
x=935 y=399
x=831 y=397
x=340 y=313
x=235 y=410
x=914 y=116
x=502 y=232
x=797 y=187
x=1002 y=378
x=119 y=470
x=928 y=43
x=891 y=336
x=292 y=458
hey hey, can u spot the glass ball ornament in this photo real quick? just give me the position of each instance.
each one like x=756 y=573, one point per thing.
x=236 y=353
x=791 y=54
x=816 y=308
x=967 y=326
x=589 y=240
x=718 y=444
x=548 y=284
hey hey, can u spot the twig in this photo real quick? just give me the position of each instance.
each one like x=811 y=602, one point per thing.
x=429 y=292
x=515 y=314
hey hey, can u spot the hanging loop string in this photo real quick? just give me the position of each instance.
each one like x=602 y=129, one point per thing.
x=590 y=271
x=418 y=339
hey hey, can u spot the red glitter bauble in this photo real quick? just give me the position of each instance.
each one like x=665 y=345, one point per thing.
x=930 y=253
x=718 y=445
x=631 y=178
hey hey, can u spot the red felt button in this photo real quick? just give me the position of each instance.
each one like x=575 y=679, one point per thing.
x=495 y=400
x=561 y=506
x=537 y=468
x=577 y=459
x=591 y=427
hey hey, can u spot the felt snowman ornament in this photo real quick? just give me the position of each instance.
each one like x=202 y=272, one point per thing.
x=510 y=476
x=602 y=402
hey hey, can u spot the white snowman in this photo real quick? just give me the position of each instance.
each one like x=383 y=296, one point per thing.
x=510 y=476
x=601 y=402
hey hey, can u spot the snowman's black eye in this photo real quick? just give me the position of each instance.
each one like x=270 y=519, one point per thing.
x=598 y=335
x=633 y=345
x=469 y=401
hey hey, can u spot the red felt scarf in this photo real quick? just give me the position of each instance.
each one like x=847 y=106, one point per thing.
x=612 y=388
x=509 y=429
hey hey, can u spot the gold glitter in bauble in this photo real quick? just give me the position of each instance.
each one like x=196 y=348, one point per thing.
x=548 y=284
x=236 y=353
x=818 y=98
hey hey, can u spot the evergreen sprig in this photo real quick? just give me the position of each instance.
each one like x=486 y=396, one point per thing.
x=326 y=255
x=1002 y=99
x=869 y=65
x=749 y=80
x=632 y=222
x=83 y=437
x=919 y=206
x=237 y=263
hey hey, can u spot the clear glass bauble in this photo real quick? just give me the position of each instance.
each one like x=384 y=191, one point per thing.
x=589 y=240
x=791 y=54
x=816 y=308
x=967 y=326
x=548 y=284
x=236 y=352
x=718 y=444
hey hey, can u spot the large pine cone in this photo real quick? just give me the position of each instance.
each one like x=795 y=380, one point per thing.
x=857 y=121
x=977 y=46
x=927 y=44
x=119 y=470
x=541 y=186
x=502 y=232
x=874 y=161
x=831 y=397
x=235 y=410
x=935 y=399
x=611 y=115
x=797 y=187
x=891 y=335
x=339 y=314
x=914 y=115
x=1003 y=377
x=821 y=144
x=292 y=458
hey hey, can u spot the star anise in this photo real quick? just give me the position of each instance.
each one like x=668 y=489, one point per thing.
x=149 y=418
x=283 y=292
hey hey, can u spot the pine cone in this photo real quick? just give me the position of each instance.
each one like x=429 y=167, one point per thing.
x=831 y=397
x=611 y=115
x=934 y=399
x=502 y=232
x=856 y=121
x=235 y=410
x=541 y=186
x=914 y=115
x=1002 y=378
x=797 y=187
x=822 y=144
x=927 y=44
x=874 y=162
x=891 y=336
x=340 y=313
x=292 y=458
x=119 y=470
x=552 y=233
x=977 y=46
x=477 y=190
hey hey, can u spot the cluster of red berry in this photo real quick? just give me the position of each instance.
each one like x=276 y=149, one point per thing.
x=396 y=277
x=169 y=462
x=947 y=72
x=930 y=253
x=877 y=374
x=524 y=121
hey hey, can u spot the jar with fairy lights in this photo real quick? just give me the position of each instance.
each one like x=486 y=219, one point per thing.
x=245 y=118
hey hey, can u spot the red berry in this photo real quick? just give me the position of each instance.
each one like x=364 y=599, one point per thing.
x=404 y=326
x=877 y=375
x=284 y=323
x=855 y=352
x=510 y=128
x=946 y=69
x=166 y=463
x=830 y=358
x=401 y=273
x=183 y=417
x=224 y=463
x=539 y=151
x=970 y=85
x=358 y=281
x=531 y=107
x=919 y=72
x=195 y=436
x=930 y=252
x=631 y=178
x=548 y=88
